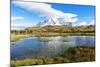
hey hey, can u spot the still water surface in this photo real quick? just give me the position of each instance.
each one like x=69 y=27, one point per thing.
x=47 y=46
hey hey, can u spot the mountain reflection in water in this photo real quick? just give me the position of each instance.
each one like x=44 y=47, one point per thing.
x=48 y=46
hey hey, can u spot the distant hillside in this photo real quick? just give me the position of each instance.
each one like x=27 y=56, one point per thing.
x=58 y=29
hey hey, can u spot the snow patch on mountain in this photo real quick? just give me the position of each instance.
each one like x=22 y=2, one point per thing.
x=54 y=22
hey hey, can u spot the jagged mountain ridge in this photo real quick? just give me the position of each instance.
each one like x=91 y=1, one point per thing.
x=53 y=22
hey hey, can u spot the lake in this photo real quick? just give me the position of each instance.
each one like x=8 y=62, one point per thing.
x=47 y=46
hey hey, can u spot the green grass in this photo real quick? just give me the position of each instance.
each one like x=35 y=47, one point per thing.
x=63 y=34
x=15 y=37
x=49 y=31
x=72 y=54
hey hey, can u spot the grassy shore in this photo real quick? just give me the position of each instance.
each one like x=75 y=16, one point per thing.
x=63 y=34
x=15 y=37
x=51 y=31
x=72 y=54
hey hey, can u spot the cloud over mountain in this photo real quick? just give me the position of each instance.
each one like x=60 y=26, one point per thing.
x=46 y=10
x=14 y=18
x=92 y=22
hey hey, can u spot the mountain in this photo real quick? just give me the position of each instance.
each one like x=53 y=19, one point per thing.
x=50 y=22
x=54 y=22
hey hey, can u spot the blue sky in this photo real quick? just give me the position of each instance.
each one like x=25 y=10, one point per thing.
x=29 y=14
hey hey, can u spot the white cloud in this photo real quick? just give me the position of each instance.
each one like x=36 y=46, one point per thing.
x=17 y=28
x=91 y=22
x=86 y=23
x=14 y=18
x=17 y=24
x=82 y=24
x=21 y=25
x=45 y=10
x=83 y=2
x=70 y=19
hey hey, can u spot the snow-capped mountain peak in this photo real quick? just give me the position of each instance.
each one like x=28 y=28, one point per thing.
x=52 y=22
